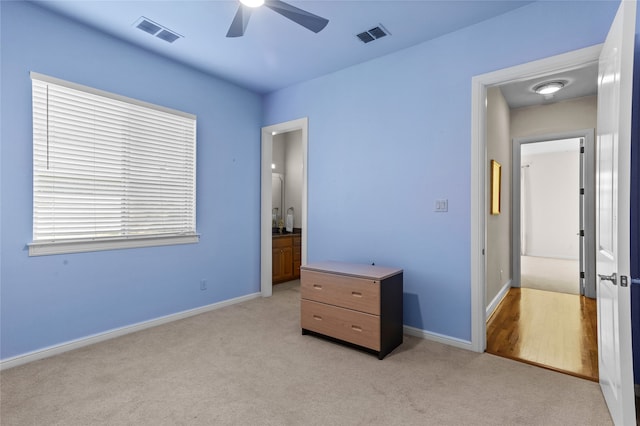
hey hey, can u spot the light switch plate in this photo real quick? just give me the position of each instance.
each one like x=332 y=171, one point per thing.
x=442 y=206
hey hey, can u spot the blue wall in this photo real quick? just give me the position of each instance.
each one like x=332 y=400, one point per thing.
x=49 y=300
x=386 y=139
x=390 y=136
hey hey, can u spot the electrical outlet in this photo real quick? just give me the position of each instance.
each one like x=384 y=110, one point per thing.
x=203 y=285
x=442 y=206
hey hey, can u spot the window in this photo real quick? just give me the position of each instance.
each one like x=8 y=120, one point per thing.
x=108 y=171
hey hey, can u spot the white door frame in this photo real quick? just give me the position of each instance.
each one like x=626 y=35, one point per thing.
x=587 y=201
x=265 y=196
x=479 y=168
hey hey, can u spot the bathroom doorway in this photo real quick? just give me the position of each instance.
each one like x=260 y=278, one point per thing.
x=269 y=135
x=286 y=193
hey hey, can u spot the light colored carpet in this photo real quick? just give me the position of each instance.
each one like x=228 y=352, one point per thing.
x=248 y=364
x=544 y=273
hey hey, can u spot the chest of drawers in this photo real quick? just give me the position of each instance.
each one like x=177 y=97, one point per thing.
x=353 y=303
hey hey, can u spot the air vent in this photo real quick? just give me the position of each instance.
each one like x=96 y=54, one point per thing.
x=365 y=37
x=167 y=36
x=157 y=30
x=148 y=27
x=377 y=32
x=373 y=34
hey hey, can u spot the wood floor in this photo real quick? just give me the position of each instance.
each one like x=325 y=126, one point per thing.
x=553 y=330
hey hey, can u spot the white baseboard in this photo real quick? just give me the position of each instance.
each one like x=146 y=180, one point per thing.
x=550 y=256
x=496 y=300
x=436 y=337
x=117 y=332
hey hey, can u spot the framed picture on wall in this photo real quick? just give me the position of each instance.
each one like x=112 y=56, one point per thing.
x=496 y=176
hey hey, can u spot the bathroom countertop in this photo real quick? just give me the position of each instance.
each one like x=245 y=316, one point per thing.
x=286 y=234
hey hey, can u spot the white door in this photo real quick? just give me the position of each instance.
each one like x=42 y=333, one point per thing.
x=612 y=216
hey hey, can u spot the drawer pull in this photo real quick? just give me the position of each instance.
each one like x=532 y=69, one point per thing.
x=317 y=286
x=356 y=294
x=317 y=317
x=356 y=328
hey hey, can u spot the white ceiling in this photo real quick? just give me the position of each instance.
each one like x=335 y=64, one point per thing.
x=580 y=82
x=275 y=52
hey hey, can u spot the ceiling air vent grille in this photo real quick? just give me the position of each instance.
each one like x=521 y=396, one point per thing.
x=372 y=34
x=167 y=36
x=157 y=30
x=148 y=27
x=365 y=37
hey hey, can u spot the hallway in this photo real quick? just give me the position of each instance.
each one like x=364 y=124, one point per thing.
x=556 y=331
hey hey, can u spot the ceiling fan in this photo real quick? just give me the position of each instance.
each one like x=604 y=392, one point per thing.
x=308 y=20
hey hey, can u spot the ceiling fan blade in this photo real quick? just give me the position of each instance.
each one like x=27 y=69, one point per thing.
x=308 y=20
x=240 y=21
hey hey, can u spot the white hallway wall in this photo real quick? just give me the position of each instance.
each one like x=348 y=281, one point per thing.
x=499 y=226
x=565 y=116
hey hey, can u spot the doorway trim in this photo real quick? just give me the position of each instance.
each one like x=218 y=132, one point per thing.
x=265 y=196
x=479 y=169
x=588 y=203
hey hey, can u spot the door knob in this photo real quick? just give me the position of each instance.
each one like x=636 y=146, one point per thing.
x=613 y=278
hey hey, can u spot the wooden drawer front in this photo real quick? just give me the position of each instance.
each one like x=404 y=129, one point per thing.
x=344 y=324
x=354 y=293
x=277 y=242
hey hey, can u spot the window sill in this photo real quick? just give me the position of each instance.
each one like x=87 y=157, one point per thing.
x=82 y=246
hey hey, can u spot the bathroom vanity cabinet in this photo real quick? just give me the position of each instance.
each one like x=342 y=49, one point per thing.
x=297 y=255
x=285 y=257
x=354 y=303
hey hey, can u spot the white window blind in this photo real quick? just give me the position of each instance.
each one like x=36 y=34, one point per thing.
x=109 y=171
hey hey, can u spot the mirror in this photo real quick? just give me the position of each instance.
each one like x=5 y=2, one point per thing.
x=288 y=178
x=277 y=198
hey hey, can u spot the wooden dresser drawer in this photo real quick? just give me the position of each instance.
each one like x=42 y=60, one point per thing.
x=359 y=294
x=351 y=326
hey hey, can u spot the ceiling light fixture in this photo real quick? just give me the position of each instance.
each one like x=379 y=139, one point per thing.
x=252 y=3
x=549 y=87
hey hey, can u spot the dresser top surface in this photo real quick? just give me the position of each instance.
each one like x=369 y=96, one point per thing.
x=353 y=269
